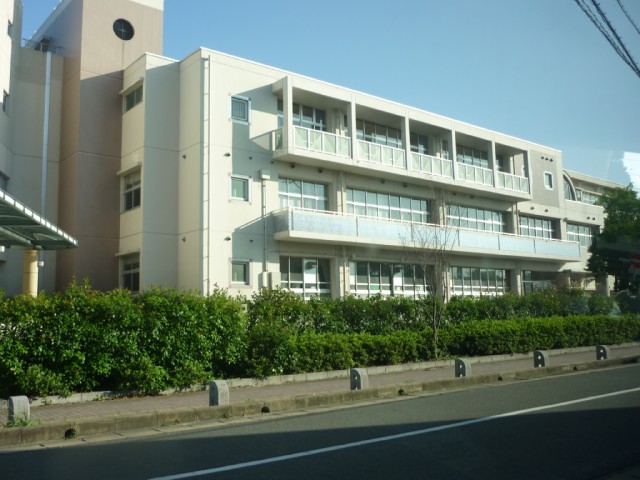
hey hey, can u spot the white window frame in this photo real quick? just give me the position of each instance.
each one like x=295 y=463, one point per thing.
x=247 y=181
x=247 y=102
x=551 y=184
x=247 y=272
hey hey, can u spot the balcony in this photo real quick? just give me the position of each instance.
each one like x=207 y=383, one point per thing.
x=383 y=154
x=336 y=228
x=471 y=173
x=513 y=183
x=432 y=165
x=316 y=141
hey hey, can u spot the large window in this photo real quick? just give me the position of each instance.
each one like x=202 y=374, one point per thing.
x=132 y=99
x=419 y=143
x=304 y=116
x=383 y=205
x=583 y=234
x=307 y=277
x=240 y=108
x=478 y=281
x=472 y=156
x=537 y=227
x=372 y=278
x=302 y=194
x=130 y=268
x=475 y=218
x=380 y=134
x=131 y=191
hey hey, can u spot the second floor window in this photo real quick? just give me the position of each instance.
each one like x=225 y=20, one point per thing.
x=537 y=227
x=132 y=99
x=302 y=194
x=240 y=107
x=382 y=205
x=583 y=234
x=475 y=218
x=131 y=191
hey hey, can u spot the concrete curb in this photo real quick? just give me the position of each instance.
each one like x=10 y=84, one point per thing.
x=113 y=424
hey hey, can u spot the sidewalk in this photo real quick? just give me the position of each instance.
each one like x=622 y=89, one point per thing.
x=249 y=396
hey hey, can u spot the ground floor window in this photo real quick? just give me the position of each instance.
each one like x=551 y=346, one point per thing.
x=305 y=276
x=372 y=278
x=239 y=272
x=479 y=281
x=130 y=268
x=537 y=280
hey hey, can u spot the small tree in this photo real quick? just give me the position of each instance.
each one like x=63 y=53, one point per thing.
x=429 y=246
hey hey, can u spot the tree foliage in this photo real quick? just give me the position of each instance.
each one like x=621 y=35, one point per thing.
x=613 y=248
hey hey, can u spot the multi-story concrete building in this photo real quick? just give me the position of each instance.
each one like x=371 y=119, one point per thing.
x=215 y=171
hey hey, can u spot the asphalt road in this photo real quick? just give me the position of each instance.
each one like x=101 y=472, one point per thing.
x=578 y=426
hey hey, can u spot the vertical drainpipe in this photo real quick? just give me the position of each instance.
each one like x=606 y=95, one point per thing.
x=45 y=157
x=205 y=181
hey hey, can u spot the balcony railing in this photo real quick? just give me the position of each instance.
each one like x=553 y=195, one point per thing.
x=376 y=153
x=344 y=228
x=474 y=174
x=515 y=183
x=316 y=140
x=432 y=165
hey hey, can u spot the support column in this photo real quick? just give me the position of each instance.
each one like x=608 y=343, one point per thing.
x=30 y=273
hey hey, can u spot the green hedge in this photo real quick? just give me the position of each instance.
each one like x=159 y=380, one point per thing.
x=82 y=339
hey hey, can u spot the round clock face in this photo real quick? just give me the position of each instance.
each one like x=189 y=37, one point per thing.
x=123 y=29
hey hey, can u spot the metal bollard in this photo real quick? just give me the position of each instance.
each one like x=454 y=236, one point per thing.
x=602 y=352
x=359 y=378
x=218 y=393
x=463 y=367
x=540 y=358
x=19 y=409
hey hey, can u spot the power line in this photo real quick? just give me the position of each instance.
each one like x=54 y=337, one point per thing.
x=628 y=16
x=609 y=33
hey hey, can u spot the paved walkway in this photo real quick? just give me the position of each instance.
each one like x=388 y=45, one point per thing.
x=280 y=387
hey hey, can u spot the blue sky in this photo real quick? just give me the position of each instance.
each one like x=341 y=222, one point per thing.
x=534 y=69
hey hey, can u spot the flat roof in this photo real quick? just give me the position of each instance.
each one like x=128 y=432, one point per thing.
x=21 y=227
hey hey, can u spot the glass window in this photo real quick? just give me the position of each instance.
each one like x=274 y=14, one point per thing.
x=131 y=191
x=569 y=194
x=299 y=193
x=306 y=276
x=239 y=272
x=478 y=281
x=381 y=205
x=130 y=268
x=548 y=180
x=132 y=99
x=583 y=234
x=240 y=107
x=537 y=227
x=5 y=102
x=240 y=188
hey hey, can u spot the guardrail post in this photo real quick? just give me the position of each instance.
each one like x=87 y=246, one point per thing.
x=218 y=393
x=359 y=378
x=463 y=367
x=602 y=352
x=540 y=358
x=19 y=409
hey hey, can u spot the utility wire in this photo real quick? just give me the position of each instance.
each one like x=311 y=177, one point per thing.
x=628 y=16
x=615 y=41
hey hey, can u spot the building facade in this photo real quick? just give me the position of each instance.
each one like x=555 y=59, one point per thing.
x=218 y=172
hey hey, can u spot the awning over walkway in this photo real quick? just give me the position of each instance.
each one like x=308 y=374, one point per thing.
x=21 y=227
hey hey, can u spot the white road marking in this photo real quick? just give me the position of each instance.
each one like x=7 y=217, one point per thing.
x=388 y=438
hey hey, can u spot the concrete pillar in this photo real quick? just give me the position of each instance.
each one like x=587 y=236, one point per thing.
x=540 y=358
x=602 y=352
x=218 y=393
x=359 y=378
x=463 y=367
x=602 y=285
x=30 y=273
x=564 y=279
x=19 y=409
